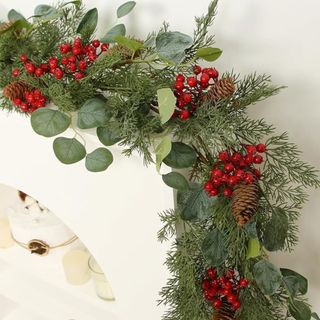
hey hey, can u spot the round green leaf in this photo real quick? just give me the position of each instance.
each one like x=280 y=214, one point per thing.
x=299 y=310
x=181 y=156
x=49 y=123
x=118 y=30
x=167 y=104
x=267 y=276
x=88 y=23
x=93 y=114
x=176 y=180
x=109 y=135
x=302 y=281
x=172 y=45
x=45 y=11
x=254 y=248
x=213 y=248
x=195 y=204
x=68 y=151
x=14 y=15
x=99 y=160
x=209 y=54
x=125 y=8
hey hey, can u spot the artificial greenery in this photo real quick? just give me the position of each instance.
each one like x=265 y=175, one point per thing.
x=127 y=95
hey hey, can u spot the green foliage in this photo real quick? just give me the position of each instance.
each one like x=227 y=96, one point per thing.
x=254 y=248
x=302 y=282
x=49 y=123
x=110 y=134
x=181 y=156
x=14 y=15
x=88 y=23
x=166 y=103
x=162 y=150
x=176 y=180
x=68 y=151
x=99 y=160
x=300 y=310
x=118 y=30
x=125 y=8
x=209 y=54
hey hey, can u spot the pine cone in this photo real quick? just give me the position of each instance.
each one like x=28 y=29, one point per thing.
x=244 y=202
x=6 y=25
x=16 y=89
x=124 y=52
x=223 y=88
x=224 y=313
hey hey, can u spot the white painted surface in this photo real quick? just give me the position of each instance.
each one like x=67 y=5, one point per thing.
x=274 y=37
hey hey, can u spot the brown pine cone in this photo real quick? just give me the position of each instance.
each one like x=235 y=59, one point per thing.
x=245 y=202
x=124 y=52
x=224 y=313
x=222 y=89
x=6 y=25
x=16 y=89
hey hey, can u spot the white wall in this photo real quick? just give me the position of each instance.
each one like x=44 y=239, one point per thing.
x=276 y=37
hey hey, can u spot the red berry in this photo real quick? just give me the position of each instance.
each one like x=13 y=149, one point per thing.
x=217 y=303
x=58 y=73
x=225 y=178
x=208 y=186
x=77 y=42
x=233 y=180
x=212 y=292
x=24 y=106
x=228 y=285
x=72 y=67
x=251 y=149
x=82 y=65
x=240 y=174
x=226 y=292
x=96 y=43
x=76 y=51
x=261 y=148
x=204 y=79
x=79 y=75
x=236 y=305
x=207 y=296
x=205 y=284
x=39 y=72
x=248 y=159
x=45 y=67
x=231 y=298
x=65 y=48
x=17 y=101
x=216 y=181
x=23 y=58
x=72 y=59
x=181 y=104
x=187 y=97
x=53 y=63
x=184 y=115
x=258 y=159
x=236 y=157
x=227 y=192
x=179 y=85
x=30 y=67
x=197 y=69
x=213 y=73
x=211 y=272
x=104 y=47
x=65 y=60
x=228 y=167
x=223 y=156
x=249 y=179
x=257 y=173
x=92 y=57
x=214 y=192
x=243 y=283
x=216 y=173
x=192 y=82
x=180 y=78
x=242 y=164
x=15 y=72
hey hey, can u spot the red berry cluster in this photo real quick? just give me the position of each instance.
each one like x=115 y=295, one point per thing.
x=226 y=289
x=234 y=168
x=32 y=101
x=189 y=91
x=75 y=59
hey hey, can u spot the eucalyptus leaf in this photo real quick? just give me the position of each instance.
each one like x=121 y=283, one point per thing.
x=275 y=231
x=99 y=160
x=172 y=45
x=209 y=54
x=125 y=8
x=315 y=316
x=167 y=104
x=195 y=204
x=267 y=276
x=299 y=310
x=254 y=248
x=292 y=285
x=14 y=15
x=162 y=150
x=118 y=30
x=302 y=281
x=88 y=23
x=68 y=150
x=110 y=134
x=181 y=156
x=93 y=113
x=49 y=123
x=128 y=43
x=46 y=12
x=213 y=248
x=176 y=180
